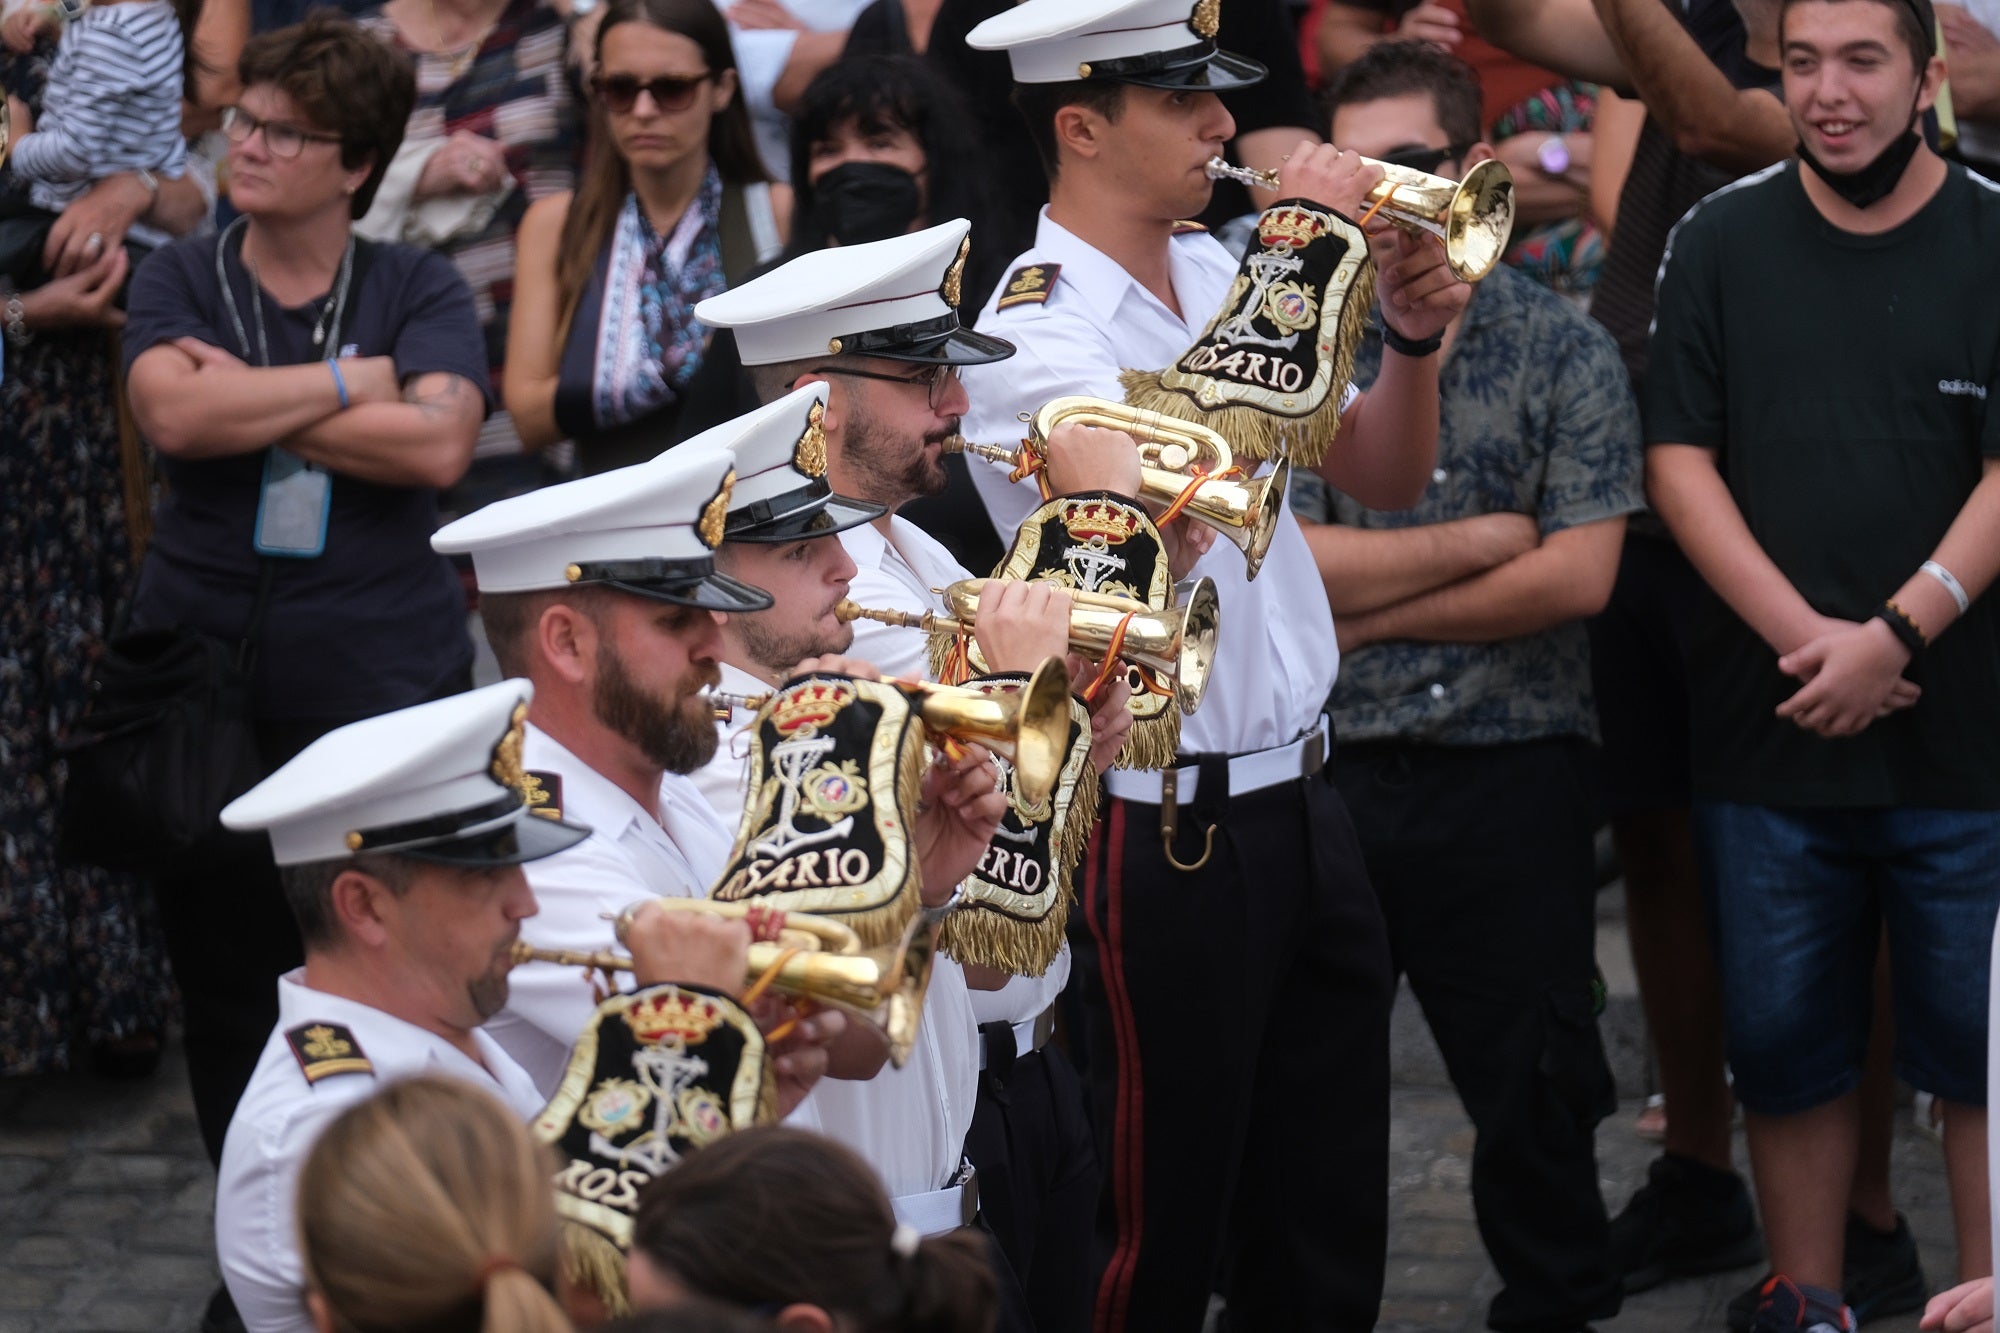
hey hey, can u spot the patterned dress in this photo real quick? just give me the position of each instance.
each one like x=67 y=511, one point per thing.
x=81 y=960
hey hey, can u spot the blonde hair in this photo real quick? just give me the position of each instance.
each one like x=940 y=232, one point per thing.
x=427 y=1209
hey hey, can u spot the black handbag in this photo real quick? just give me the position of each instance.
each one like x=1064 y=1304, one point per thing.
x=167 y=740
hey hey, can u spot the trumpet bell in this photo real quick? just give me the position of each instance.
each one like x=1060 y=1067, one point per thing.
x=1029 y=728
x=1200 y=635
x=1244 y=513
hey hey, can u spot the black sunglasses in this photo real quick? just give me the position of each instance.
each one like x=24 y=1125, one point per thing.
x=935 y=380
x=1426 y=160
x=670 y=92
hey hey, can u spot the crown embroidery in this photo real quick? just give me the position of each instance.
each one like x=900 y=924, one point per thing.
x=813 y=704
x=669 y=1015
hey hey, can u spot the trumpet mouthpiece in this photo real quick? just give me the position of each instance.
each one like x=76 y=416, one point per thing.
x=1219 y=170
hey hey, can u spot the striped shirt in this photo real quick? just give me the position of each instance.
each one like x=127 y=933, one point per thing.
x=113 y=103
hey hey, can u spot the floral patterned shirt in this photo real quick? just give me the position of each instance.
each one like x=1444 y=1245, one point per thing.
x=1538 y=418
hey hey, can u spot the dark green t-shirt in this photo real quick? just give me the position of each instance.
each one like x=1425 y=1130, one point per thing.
x=1843 y=382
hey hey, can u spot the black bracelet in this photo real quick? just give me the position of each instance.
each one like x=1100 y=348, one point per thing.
x=1900 y=625
x=1397 y=343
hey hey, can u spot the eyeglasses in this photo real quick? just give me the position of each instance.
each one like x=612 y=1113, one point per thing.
x=670 y=92
x=281 y=139
x=1426 y=160
x=935 y=379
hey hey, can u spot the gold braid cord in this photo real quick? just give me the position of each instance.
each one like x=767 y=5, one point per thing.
x=655 y=1075
x=1099 y=543
x=1270 y=370
x=1015 y=905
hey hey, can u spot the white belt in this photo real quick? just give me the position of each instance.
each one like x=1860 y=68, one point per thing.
x=1030 y=1035
x=1247 y=772
x=935 y=1212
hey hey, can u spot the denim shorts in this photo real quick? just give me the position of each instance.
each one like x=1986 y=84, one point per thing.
x=1799 y=899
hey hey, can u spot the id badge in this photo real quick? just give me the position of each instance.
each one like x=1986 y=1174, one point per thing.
x=292 y=507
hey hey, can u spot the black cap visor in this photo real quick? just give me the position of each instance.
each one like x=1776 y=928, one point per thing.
x=529 y=838
x=940 y=341
x=810 y=512
x=682 y=582
x=1200 y=68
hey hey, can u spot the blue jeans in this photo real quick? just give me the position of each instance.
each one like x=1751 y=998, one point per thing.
x=1800 y=898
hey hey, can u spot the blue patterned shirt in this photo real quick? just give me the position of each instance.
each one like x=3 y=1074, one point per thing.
x=1538 y=418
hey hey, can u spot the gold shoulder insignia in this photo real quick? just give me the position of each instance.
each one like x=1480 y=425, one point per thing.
x=543 y=792
x=1188 y=227
x=1029 y=283
x=326 y=1049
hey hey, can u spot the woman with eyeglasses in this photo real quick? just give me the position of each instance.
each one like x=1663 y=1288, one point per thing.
x=673 y=204
x=496 y=127
x=308 y=395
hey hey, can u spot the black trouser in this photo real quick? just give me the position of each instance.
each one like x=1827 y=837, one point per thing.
x=1235 y=1024
x=1482 y=859
x=1038 y=1175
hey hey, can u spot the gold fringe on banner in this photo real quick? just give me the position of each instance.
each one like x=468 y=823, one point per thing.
x=590 y=1262
x=1152 y=742
x=1253 y=432
x=978 y=934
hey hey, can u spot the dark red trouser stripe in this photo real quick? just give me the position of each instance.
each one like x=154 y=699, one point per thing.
x=1128 y=1137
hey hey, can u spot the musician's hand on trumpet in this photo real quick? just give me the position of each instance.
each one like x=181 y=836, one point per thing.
x=958 y=813
x=1110 y=719
x=1092 y=458
x=1329 y=177
x=1021 y=624
x=1418 y=293
x=695 y=949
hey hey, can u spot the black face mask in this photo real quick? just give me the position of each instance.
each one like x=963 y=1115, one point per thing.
x=858 y=202
x=1875 y=181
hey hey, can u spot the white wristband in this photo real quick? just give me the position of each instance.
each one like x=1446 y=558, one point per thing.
x=1951 y=584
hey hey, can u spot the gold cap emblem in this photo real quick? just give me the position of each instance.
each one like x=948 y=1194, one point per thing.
x=809 y=456
x=716 y=515
x=954 y=275
x=1206 y=19
x=506 y=768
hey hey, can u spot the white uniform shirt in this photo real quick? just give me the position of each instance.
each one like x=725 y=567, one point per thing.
x=280 y=1117
x=1277 y=657
x=909 y=1123
x=897 y=573
x=632 y=854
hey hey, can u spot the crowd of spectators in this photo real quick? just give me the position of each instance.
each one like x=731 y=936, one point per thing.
x=1715 y=478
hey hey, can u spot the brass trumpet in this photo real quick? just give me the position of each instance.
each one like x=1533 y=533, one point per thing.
x=1028 y=728
x=1176 y=646
x=1473 y=217
x=884 y=987
x=1173 y=455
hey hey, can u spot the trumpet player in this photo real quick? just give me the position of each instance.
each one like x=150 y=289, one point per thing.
x=604 y=593
x=875 y=326
x=1248 y=855
x=400 y=842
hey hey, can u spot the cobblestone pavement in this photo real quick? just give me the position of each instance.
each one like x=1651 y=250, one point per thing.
x=105 y=1226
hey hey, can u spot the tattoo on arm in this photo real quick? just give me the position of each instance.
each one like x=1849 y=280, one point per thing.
x=442 y=399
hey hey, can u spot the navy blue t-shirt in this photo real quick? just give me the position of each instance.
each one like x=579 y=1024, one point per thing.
x=375 y=622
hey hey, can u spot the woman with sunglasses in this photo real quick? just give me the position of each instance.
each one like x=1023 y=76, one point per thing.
x=672 y=206
x=308 y=396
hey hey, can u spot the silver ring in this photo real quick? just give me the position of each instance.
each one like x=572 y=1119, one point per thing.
x=95 y=241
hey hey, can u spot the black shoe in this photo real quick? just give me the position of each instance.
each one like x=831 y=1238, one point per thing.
x=1784 y=1306
x=1686 y=1219
x=1880 y=1276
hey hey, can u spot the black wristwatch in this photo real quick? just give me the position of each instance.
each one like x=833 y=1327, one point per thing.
x=1406 y=346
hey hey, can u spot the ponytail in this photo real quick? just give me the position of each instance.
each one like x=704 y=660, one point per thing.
x=948 y=1285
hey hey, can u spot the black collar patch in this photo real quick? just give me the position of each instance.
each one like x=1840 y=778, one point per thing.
x=326 y=1049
